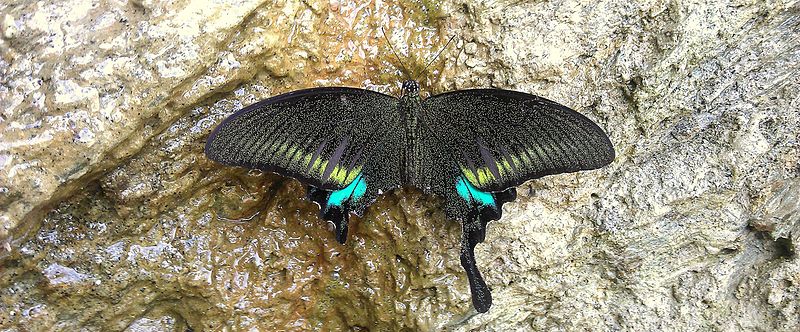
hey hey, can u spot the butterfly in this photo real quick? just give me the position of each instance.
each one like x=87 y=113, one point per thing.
x=469 y=147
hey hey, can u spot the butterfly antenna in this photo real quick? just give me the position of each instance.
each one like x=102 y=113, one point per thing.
x=405 y=71
x=437 y=56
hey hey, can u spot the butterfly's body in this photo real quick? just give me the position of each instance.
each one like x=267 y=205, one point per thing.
x=469 y=147
x=408 y=107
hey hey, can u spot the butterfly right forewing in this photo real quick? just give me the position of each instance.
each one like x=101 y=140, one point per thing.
x=503 y=138
x=483 y=142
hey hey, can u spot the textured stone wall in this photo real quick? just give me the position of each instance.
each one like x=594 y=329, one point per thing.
x=111 y=218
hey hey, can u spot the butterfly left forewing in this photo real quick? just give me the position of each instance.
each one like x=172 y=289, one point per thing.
x=338 y=141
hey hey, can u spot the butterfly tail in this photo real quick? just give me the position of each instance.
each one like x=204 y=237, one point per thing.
x=481 y=296
x=474 y=232
x=333 y=213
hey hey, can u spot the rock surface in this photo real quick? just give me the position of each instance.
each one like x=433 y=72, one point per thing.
x=111 y=218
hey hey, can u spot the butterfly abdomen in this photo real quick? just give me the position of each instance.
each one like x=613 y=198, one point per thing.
x=409 y=108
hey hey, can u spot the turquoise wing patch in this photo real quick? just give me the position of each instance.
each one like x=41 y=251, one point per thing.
x=471 y=194
x=351 y=194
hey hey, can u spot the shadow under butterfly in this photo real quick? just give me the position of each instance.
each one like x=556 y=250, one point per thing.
x=469 y=147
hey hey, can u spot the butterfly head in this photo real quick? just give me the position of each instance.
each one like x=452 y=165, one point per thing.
x=410 y=88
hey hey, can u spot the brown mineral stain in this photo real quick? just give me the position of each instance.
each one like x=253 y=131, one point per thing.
x=169 y=238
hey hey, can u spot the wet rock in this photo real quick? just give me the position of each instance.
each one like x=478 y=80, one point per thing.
x=113 y=218
x=84 y=87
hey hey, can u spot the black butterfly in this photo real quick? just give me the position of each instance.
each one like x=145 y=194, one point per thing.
x=470 y=147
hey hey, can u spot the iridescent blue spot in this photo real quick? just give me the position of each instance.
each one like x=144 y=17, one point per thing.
x=469 y=193
x=353 y=192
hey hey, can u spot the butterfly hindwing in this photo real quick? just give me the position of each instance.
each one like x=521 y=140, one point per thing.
x=339 y=141
x=483 y=142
